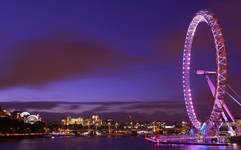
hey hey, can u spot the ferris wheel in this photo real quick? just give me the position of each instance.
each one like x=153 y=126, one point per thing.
x=220 y=112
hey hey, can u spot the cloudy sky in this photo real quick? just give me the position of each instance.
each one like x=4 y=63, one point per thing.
x=105 y=51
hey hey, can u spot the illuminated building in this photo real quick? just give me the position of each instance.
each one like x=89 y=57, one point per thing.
x=96 y=120
x=28 y=118
x=4 y=113
x=24 y=114
x=72 y=121
x=32 y=119
x=239 y=122
x=239 y=126
x=93 y=121
x=169 y=126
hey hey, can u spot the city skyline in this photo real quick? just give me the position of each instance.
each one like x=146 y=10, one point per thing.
x=171 y=111
x=110 y=52
x=130 y=74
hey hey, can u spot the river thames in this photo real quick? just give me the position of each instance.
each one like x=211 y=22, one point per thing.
x=98 y=143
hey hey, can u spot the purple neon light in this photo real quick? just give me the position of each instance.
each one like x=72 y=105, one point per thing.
x=209 y=18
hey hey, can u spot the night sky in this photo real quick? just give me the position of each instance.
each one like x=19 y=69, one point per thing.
x=109 y=51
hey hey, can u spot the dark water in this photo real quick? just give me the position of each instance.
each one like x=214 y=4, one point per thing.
x=98 y=143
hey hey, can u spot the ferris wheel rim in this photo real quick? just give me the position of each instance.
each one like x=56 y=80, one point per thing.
x=221 y=65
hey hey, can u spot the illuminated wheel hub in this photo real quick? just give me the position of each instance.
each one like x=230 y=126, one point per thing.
x=221 y=71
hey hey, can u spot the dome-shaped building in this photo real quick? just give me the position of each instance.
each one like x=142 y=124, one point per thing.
x=32 y=119
x=24 y=114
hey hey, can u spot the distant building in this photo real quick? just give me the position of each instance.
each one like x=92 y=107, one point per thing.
x=96 y=120
x=28 y=118
x=93 y=121
x=72 y=121
x=239 y=122
x=32 y=119
x=4 y=113
x=24 y=114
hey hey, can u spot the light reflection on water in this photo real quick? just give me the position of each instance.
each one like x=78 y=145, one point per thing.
x=99 y=143
x=205 y=147
x=200 y=147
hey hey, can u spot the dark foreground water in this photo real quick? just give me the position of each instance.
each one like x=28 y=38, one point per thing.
x=98 y=143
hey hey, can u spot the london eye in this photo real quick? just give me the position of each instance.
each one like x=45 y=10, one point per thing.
x=220 y=110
